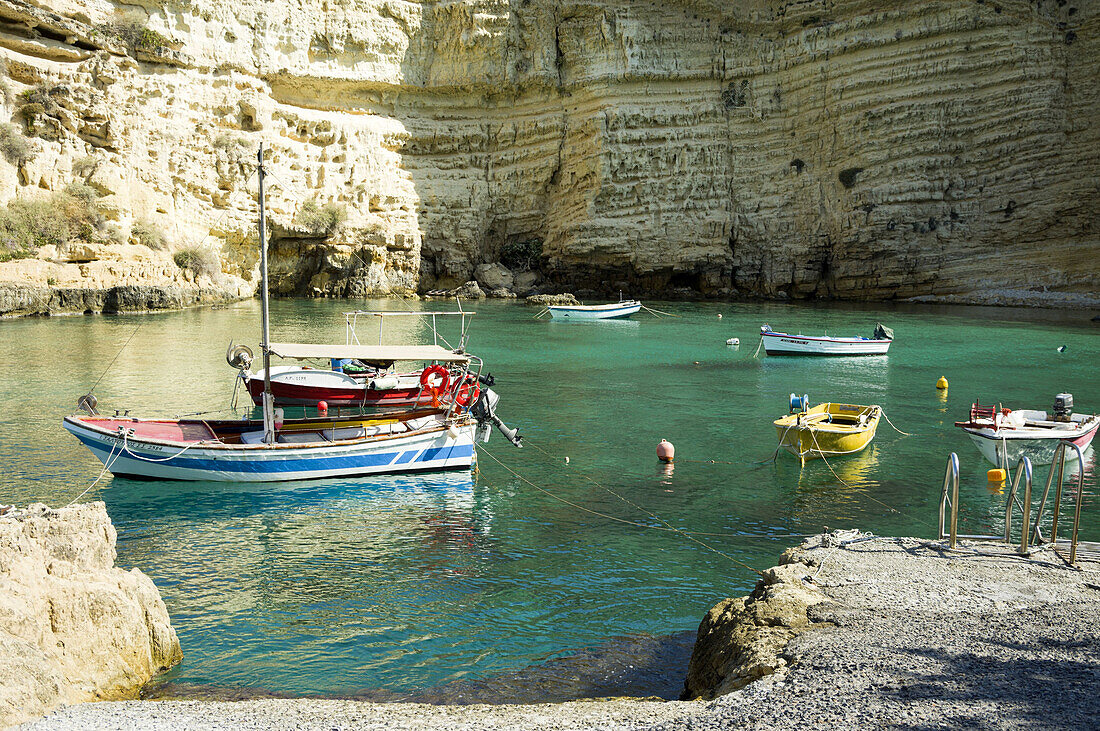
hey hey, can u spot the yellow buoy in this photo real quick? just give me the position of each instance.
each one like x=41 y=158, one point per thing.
x=997 y=475
x=942 y=383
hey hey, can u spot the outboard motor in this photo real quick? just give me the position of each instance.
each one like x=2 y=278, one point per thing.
x=1063 y=407
x=484 y=411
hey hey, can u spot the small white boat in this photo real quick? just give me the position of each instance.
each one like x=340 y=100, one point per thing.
x=626 y=308
x=1007 y=435
x=780 y=343
x=733 y=341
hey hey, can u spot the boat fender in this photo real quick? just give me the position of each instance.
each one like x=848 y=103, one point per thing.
x=432 y=387
x=322 y=408
x=384 y=383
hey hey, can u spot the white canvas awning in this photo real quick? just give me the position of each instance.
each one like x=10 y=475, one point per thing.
x=369 y=353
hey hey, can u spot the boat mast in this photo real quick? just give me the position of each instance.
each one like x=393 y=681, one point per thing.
x=268 y=404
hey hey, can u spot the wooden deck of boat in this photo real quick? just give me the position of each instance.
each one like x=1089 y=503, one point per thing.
x=168 y=431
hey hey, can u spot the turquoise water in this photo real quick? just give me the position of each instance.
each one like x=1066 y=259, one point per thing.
x=413 y=582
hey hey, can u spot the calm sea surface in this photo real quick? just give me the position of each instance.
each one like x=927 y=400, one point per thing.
x=395 y=584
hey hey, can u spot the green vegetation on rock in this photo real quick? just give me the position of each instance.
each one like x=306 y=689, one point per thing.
x=66 y=216
x=321 y=220
x=13 y=146
x=200 y=261
x=149 y=235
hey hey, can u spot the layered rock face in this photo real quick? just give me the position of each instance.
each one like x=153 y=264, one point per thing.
x=944 y=149
x=73 y=627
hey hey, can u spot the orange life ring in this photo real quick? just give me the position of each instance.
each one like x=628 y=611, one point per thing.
x=435 y=389
x=467 y=393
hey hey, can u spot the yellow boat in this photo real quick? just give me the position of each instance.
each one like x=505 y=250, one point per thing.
x=827 y=430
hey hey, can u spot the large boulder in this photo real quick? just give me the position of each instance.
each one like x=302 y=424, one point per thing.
x=542 y=300
x=469 y=291
x=73 y=626
x=743 y=639
x=494 y=276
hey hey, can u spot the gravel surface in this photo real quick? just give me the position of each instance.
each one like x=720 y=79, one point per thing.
x=917 y=638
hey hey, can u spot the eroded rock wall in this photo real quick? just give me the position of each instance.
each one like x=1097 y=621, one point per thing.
x=73 y=626
x=942 y=149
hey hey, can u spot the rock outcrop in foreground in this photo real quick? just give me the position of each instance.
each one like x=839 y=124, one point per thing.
x=902 y=632
x=947 y=150
x=73 y=627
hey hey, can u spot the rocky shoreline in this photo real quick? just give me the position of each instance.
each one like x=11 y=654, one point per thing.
x=73 y=626
x=879 y=632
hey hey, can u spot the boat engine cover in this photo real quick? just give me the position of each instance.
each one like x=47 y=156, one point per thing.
x=1063 y=407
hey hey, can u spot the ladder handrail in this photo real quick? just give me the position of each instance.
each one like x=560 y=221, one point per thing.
x=1023 y=469
x=950 y=479
x=1059 y=464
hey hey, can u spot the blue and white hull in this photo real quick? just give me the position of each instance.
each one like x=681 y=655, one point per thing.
x=431 y=446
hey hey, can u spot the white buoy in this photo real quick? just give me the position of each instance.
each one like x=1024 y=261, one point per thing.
x=719 y=315
x=733 y=341
x=665 y=451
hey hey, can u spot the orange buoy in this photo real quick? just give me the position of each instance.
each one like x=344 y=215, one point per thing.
x=322 y=408
x=665 y=451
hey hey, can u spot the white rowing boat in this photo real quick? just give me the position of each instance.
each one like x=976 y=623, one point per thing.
x=613 y=311
x=780 y=343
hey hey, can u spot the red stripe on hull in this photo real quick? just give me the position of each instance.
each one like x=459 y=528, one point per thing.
x=293 y=395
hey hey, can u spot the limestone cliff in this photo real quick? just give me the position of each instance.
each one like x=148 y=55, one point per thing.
x=803 y=148
x=73 y=627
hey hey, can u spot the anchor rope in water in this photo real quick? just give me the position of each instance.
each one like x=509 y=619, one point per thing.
x=899 y=431
x=668 y=526
x=850 y=487
x=658 y=312
x=758 y=347
x=107 y=464
x=108 y=368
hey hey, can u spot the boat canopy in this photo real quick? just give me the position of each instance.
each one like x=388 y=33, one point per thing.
x=368 y=353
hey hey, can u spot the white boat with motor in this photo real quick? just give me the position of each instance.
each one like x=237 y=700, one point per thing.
x=625 y=308
x=274 y=449
x=1004 y=436
x=780 y=343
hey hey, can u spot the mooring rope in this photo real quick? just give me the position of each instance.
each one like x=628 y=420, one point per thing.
x=850 y=487
x=899 y=431
x=108 y=368
x=658 y=312
x=107 y=464
x=669 y=526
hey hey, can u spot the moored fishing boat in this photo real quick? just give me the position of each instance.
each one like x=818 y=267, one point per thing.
x=625 y=308
x=826 y=430
x=780 y=343
x=1004 y=436
x=270 y=449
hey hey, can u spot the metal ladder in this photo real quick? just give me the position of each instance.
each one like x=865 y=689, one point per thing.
x=949 y=498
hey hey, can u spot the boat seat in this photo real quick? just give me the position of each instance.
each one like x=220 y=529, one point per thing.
x=347 y=432
x=300 y=437
x=252 y=437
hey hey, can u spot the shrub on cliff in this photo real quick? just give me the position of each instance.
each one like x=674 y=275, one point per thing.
x=66 y=216
x=135 y=36
x=14 y=146
x=198 y=260
x=149 y=235
x=321 y=220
